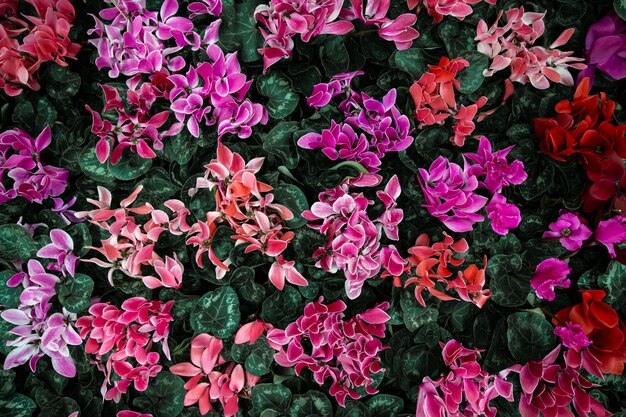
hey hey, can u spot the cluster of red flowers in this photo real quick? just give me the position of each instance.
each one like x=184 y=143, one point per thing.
x=429 y=264
x=584 y=128
x=434 y=99
x=26 y=42
x=602 y=326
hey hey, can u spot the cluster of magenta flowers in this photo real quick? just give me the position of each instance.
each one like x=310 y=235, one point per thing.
x=22 y=171
x=282 y=20
x=212 y=93
x=122 y=341
x=213 y=379
x=353 y=239
x=40 y=331
x=451 y=190
x=371 y=128
x=346 y=351
x=466 y=390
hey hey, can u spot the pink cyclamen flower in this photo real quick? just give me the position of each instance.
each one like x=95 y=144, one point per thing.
x=450 y=196
x=250 y=332
x=572 y=336
x=440 y=8
x=282 y=270
x=504 y=216
x=570 y=229
x=549 y=274
x=61 y=250
x=129 y=413
x=611 y=232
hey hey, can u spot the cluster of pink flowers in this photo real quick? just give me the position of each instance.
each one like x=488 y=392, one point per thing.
x=371 y=128
x=435 y=102
x=353 y=243
x=512 y=46
x=135 y=128
x=26 y=175
x=450 y=191
x=429 y=264
x=550 y=388
x=440 y=8
x=282 y=20
x=248 y=207
x=38 y=332
x=213 y=380
x=346 y=351
x=27 y=42
x=466 y=390
x=121 y=341
x=130 y=245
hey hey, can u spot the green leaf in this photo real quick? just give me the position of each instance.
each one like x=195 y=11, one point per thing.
x=75 y=292
x=529 y=336
x=260 y=358
x=411 y=61
x=269 y=397
x=416 y=317
x=9 y=235
x=62 y=83
x=294 y=199
x=613 y=281
x=282 y=99
x=222 y=242
x=620 y=8
x=17 y=406
x=130 y=167
x=471 y=78
x=217 y=313
x=313 y=403
x=59 y=408
x=36 y=117
x=88 y=162
x=282 y=307
x=508 y=286
x=167 y=394
x=353 y=409
x=279 y=141
x=238 y=31
x=334 y=56
x=385 y=405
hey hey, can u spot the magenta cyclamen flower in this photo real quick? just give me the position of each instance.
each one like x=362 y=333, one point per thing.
x=570 y=230
x=504 y=216
x=121 y=341
x=346 y=351
x=611 y=232
x=450 y=195
x=22 y=172
x=498 y=172
x=605 y=48
x=572 y=336
x=549 y=274
x=466 y=390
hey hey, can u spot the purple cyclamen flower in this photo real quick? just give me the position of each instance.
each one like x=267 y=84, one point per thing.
x=572 y=336
x=61 y=250
x=504 y=216
x=323 y=93
x=611 y=232
x=450 y=196
x=605 y=47
x=212 y=7
x=495 y=167
x=549 y=274
x=570 y=231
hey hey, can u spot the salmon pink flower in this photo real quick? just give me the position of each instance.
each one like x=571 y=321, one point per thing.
x=282 y=270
